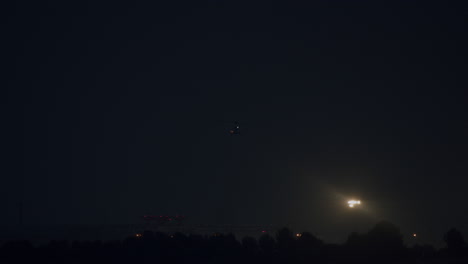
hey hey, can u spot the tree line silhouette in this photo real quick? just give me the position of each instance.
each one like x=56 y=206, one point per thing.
x=382 y=244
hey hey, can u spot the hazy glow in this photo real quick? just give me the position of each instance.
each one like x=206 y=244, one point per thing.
x=415 y=235
x=298 y=235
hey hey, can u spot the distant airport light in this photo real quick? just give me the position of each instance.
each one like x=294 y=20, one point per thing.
x=352 y=203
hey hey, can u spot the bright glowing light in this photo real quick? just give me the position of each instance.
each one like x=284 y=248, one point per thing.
x=138 y=235
x=352 y=203
x=415 y=235
x=298 y=235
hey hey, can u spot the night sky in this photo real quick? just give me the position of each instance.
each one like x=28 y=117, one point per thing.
x=111 y=111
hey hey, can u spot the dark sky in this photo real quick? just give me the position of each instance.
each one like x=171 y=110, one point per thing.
x=116 y=110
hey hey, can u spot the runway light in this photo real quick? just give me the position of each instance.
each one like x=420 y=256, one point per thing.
x=352 y=203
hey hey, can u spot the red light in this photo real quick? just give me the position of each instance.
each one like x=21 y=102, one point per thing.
x=263 y=231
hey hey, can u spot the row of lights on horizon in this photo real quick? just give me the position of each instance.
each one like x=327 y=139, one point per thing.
x=351 y=204
x=297 y=234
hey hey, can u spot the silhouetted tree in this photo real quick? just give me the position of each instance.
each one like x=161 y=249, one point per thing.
x=286 y=245
x=309 y=240
x=285 y=239
x=423 y=251
x=455 y=242
x=354 y=239
x=250 y=246
x=266 y=244
x=385 y=239
x=454 y=239
x=308 y=247
x=232 y=247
